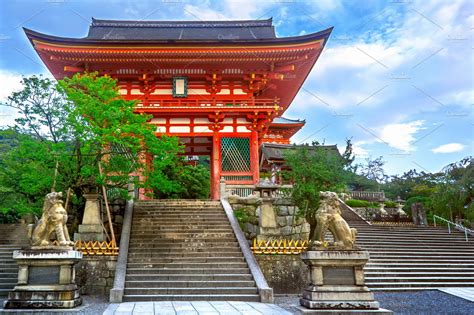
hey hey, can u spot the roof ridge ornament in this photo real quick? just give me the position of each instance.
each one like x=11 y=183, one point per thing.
x=184 y=24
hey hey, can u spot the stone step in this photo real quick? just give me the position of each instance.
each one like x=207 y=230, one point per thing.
x=418 y=284
x=189 y=277
x=183 y=254
x=189 y=244
x=193 y=238
x=197 y=222
x=406 y=289
x=188 y=284
x=8 y=285
x=418 y=279
x=147 y=210
x=9 y=264
x=169 y=244
x=184 y=234
x=437 y=269
x=4 y=292
x=181 y=250
x=414 y=265
x=445 y=251
x=414 y=260
x=411 y=238
x=142 y=223
x=186 y=291
x=179 y=271
x=183 y=229
x=190 y=226
x=8 y=275
x=187 y=265
x=170 y=215
x=185 y=250
x=194 y=297
x=8 y=270
x=422 y=255
x=188 y=213
x=6 y=255
x=185 y=259
x=421 y=273
x=411 y=247
x=406 y=246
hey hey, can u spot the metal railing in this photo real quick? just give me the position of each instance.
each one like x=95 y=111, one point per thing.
x=457 y=226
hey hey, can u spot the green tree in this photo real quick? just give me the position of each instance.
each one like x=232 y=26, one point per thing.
x=76 y=124
x=454 y=194
x=374 y=171
x=25 y=172
x=314 y=169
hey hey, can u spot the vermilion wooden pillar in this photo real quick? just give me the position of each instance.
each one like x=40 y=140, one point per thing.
x=215 y=166
x=254 y=166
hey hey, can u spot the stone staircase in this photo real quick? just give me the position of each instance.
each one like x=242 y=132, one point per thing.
x=185 y=250
x=12 y=237
x=412 y=257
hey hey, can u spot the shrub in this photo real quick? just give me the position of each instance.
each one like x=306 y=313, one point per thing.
x=356 y=203
x=390 y=204
x=9 y=216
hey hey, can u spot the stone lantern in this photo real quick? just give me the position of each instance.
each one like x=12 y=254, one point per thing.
x=400 y=211
x=268 y=226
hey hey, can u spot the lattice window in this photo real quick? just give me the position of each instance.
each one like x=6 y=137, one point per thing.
x=235 y=153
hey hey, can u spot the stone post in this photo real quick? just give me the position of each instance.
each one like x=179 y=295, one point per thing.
x=222 y=188
x=46 y=274
x=336 y=284
x=91 y=227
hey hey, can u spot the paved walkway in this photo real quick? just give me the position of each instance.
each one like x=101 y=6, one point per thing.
x=194 y=308
x=465 y=293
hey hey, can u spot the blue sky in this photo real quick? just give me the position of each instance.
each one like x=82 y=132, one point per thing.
x=397 y=76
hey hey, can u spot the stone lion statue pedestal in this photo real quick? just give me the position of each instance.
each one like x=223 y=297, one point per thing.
x=46 y=275
x=336 y=267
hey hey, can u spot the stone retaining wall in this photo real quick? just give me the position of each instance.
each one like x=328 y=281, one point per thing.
x=286 y=274
x=247 y=210
x=95 y=274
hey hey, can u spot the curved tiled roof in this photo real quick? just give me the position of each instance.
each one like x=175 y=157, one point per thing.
x=180 y=30
x=275 y=152
x=283 y=120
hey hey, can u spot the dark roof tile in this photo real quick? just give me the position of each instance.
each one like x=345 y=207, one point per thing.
x=181 y=30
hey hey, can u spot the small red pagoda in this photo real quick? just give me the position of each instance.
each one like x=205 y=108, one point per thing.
x=220 y=86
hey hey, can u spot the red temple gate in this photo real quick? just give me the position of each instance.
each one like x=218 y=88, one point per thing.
x=217 y=85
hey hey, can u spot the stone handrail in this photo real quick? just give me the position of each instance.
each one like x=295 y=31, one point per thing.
x=116 y=293
x=265 y=292
x=344 y=206
x=367 y=195
x=239 y=190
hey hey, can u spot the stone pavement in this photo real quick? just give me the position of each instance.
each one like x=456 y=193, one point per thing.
x=194 y=308
x=465 y=293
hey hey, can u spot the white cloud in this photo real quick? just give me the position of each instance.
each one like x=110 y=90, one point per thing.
x=203 y=13
x=401 y=135
x=417 y=48
x=358 y=150
x=11 y=82
x=449 y=148
x=234 y=9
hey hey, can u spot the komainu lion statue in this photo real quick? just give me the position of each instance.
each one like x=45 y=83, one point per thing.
x=328 y=217
x=54 y=219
